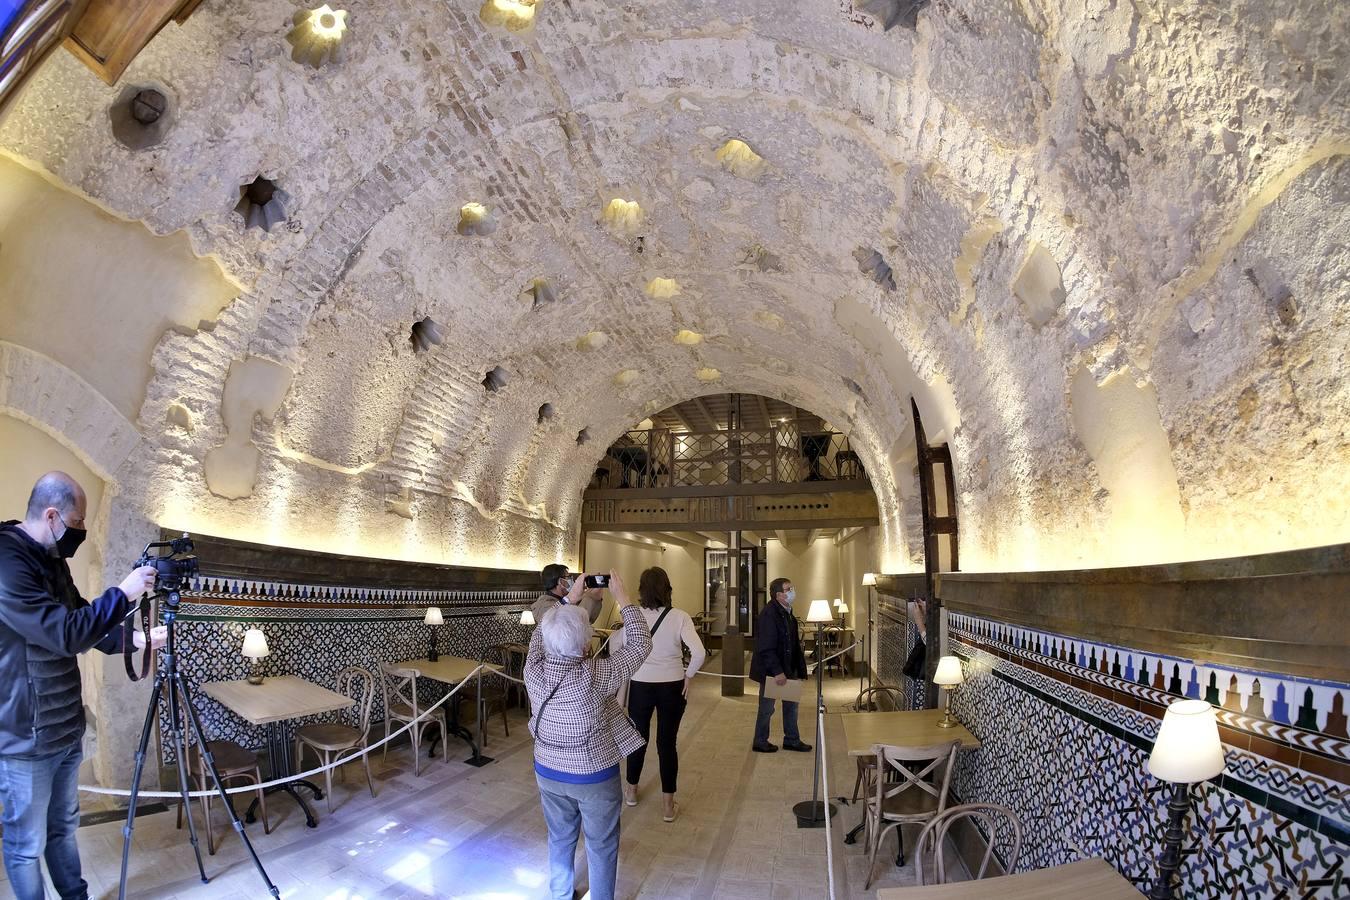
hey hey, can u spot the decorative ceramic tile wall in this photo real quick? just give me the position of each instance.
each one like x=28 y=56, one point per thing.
x=1066 y=727
x=314 y=631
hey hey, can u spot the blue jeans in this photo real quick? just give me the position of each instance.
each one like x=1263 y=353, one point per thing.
x=572 y=809
x=790 y=734
x=42 y=811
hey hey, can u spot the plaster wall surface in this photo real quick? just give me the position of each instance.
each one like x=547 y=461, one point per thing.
x=1177 y=170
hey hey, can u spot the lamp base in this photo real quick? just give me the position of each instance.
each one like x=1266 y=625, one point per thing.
x=433 y=655
x=812 y=813
x=255 y=679
x=944 y=722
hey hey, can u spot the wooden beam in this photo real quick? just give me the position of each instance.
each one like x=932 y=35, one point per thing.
x=706 y=413
x=782 y=536
x=764 y=411
x=811 y=536
x=717 y=537
x=668 y=538
x=844 y=535
x=617 y=539
x=688 y=426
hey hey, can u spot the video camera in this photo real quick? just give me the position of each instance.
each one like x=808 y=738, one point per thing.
x=175 y=568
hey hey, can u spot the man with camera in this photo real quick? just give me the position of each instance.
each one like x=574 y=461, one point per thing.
x=557 y=584
x=44 y=625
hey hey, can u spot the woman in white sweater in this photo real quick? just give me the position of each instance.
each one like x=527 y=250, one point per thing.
x=661 y=684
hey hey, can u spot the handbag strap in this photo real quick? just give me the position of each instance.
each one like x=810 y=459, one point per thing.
x=659 y=619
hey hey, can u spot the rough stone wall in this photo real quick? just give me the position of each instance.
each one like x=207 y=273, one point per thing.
x=1092 y=203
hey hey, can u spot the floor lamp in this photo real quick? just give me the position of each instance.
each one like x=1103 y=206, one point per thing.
x=869 y=580
x=1187 y=751
x=812 y=813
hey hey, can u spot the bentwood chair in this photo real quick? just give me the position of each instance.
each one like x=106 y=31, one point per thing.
x=494 y=690
x=332 y=740
x=904 y=794
x=234 y=763
x=998 y=824
x=398 y=688
x=868 y=700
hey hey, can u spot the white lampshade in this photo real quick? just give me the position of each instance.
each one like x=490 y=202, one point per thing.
x=527 y=617
x=819 y=612
x=433 y=616
x=838 y=602
x=1187 y=749
x=255 y=644
x=843 y=609
x=869 y=579
x=948 y=672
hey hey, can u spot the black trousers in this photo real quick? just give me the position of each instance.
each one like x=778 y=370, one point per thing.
x=666 y=699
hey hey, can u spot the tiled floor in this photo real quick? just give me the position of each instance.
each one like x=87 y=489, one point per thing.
x=460 y=831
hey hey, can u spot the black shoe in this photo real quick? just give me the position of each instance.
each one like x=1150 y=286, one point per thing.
x=797 y=745
x=765 y=747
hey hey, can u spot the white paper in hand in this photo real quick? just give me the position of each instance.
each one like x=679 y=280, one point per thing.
x=790 y=690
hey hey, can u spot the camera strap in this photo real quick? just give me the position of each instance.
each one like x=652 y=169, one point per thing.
x=129 y=641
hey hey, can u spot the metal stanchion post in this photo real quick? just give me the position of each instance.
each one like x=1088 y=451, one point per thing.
x=478 y=759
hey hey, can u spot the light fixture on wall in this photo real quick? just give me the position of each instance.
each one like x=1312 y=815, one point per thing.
x=812 y=813
x=842 y=611
x=527 y=617
x=433 y=618
x=1186 y=751
x=948 y=675
x=255 y=648
x=317 y=36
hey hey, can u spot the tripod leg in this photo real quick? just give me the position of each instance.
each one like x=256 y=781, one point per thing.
x=144 y=742
x=209 y=762
x=180 y=750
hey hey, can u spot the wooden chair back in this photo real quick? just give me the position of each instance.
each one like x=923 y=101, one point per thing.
x=359 y=684
x=998 y=824
x=398 y=686
x=894 y=777
x=869 y=699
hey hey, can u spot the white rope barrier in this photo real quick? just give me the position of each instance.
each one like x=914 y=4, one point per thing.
x=812 y=667
x=825 y=793
x=250 y=788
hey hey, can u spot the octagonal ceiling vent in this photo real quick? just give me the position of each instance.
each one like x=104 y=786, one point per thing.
x=540 y=293
x=622 y=216
x=625 y=378
x=890 y=13
x=871 y=264
x=545 y=413
x=495 y=380
x=425 y=335
x=317 y=36
x=592 y=341
x=662 y=288
x=140 y=117
x=708 y=375
x=583 y=436
x=261 y=204
x=688 y=338
x=475 y=220
x=738 y=159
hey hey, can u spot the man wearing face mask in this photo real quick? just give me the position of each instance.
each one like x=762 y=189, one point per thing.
x=556 y=585
x=778 y=655
x=44 y=625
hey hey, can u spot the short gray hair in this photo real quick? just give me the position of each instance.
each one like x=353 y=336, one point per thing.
x=566 y=631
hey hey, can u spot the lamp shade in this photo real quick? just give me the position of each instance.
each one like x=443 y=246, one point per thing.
x=870 y=579
x=433 y=616
x=527 y=617
x=838 y=602
x=1187 y=749
x=255 y=644
x=843 y=609
x=819 y=612
x=948 y=671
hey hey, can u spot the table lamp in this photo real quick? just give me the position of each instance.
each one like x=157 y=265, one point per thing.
x=869 y=581
x=527 y=617
x=812 y=813
x=255 y=648
x=842 y=610
x=948 y=675
x=1187 y=751
x=433 y=618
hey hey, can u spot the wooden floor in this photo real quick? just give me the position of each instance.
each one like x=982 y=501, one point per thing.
x=460 y=831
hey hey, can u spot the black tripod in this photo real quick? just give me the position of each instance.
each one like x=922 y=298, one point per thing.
x=180 y=699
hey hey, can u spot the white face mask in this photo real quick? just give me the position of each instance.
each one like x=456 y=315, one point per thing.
x=790 y=596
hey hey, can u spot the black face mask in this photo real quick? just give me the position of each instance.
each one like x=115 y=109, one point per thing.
x=70 y=540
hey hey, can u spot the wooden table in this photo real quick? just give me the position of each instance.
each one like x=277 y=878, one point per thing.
x=451 y=670
x=902 y=728
x=273 y=703
x=1087 y=878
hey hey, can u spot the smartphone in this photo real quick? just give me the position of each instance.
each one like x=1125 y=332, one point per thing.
x=597 y=581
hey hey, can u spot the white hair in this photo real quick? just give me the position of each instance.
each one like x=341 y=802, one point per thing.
x=566 y=631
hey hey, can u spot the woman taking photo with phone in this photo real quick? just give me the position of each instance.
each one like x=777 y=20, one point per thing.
x=661 y=685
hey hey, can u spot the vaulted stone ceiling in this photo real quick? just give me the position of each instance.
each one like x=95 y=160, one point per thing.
x=1102 y=243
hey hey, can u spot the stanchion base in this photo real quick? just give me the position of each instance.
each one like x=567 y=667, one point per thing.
x=812 y=813
x=478 y=761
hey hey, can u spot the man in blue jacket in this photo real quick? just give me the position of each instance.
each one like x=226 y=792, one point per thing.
x=778 y=655
x=44 y=625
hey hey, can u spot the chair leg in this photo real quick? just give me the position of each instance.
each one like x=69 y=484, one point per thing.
x=445 y=736
x=899 y=845
x=262 y=802
x=505 y=727
x=365 y=761
x=385 y=757
x=206 y=815
x=415 y=731
x=872 y=857
x=328 y=778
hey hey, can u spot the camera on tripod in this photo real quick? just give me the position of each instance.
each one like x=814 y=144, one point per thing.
x=174 y=563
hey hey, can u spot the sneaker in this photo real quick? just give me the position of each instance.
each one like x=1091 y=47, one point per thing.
x=629 y=794
x=765 y=747
x=797 y=745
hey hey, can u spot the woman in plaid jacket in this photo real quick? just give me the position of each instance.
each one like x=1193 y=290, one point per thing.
x=581 y=734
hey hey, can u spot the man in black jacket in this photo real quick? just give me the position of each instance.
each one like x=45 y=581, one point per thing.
x=44 y=625
x=778 y=655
